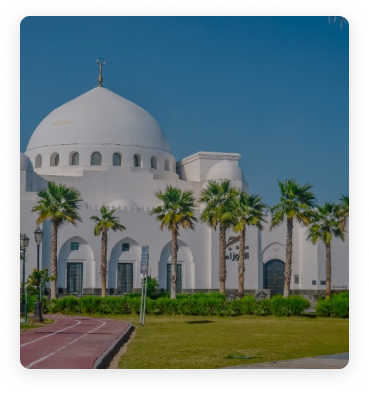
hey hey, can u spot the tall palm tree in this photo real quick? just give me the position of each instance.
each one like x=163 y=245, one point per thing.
x=104 y=223
x=296 y=203
x=325 y=226
x=218 y=198
x=177 y=210
x=343 y=211
x=248 y=211
x=61 y=205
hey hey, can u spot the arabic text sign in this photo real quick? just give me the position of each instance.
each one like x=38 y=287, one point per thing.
x=144 y=260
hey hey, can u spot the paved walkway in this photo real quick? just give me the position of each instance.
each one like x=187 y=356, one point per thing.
x=73 y=343
x=327 y=362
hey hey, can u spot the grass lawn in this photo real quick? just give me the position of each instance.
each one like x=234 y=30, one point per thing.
x=209 y=342
x=31 y=325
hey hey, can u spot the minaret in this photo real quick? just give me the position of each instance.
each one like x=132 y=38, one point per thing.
x=100 y=61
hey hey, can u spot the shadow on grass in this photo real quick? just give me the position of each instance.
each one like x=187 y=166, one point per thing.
x=202 y=321
x=308 y=315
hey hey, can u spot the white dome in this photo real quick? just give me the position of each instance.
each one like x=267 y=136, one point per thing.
x=25 y=163
x=225 y=170
x=123 y=203
x=99 y=117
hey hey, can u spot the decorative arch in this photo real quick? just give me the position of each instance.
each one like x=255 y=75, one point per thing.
x=54 y=159
x=137 y=160
x=274 y=250
x=154 y=162
x=74 y=158
x=117 y=159
x=38 y=161
x=96 y=158
x=184 y=258
x=120 y=256
x=70 y=257
x=166 y=164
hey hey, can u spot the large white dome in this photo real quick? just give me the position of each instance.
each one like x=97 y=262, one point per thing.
x=99 y=117
x=225 y=170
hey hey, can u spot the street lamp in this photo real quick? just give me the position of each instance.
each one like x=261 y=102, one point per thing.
x=24 y=240
x=38 y=306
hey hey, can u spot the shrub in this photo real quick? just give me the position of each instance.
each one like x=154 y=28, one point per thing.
x=336 y=306
x=297 y=304
x=248 y=305
x=263 y=307
x=279 y=306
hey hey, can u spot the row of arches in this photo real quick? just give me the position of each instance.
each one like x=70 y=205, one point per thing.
x=96 y=159
x=77 y=267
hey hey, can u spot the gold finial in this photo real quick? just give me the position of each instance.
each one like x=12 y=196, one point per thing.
x=100 y=61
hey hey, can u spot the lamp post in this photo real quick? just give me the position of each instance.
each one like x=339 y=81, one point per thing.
x=24 y=240
x=38 y=305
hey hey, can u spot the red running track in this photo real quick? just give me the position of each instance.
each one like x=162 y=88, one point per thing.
x=70 y=342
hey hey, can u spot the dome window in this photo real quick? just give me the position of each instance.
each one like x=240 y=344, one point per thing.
x=117 y=159
x=38 y=161
x=137 y=161
x=54 y=159
x=96 y=158
x=174 y=167
x=154 y=162
x=75 y=159
x=166 y=164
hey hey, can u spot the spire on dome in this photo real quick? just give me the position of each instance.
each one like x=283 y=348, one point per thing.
x=100 y=61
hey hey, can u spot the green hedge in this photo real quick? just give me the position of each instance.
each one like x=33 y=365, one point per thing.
x=336 y=306
x=196 y=304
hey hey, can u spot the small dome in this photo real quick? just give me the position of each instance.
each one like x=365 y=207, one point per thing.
x=25 y=163
x=123 y=203
x=225 y=170
x=99 y=117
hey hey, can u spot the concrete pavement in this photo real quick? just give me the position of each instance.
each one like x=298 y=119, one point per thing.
x=336 y=361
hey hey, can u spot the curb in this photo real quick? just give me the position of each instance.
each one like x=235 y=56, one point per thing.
x=103 y=361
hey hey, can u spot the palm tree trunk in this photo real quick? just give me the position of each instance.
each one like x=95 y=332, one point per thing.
x=328 y=271
x=222 y=259
x=104 y=246
x=173 y=272
x=241 y=264
x=288 y=266
x=54 y=260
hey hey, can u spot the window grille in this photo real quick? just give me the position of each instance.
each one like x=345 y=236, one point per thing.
x=74 y=277
x=125 y=277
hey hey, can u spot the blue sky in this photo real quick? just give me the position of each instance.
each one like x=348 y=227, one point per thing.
x=274 y=89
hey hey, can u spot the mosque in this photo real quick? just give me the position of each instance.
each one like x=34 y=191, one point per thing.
x=116 y=154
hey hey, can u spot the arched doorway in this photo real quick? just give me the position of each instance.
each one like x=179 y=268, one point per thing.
x=274 y=276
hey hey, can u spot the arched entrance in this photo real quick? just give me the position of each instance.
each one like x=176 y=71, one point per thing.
x=274 y=276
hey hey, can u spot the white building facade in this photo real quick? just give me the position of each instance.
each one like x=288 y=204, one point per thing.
x=116 y=154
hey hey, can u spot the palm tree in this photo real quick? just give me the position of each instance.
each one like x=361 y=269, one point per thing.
x=343 y=211
x=103 y=225
x=248 y=211
x=326 y=225
x=177 y=210
x=60 y=204
x=296 y=203
x=218 y=198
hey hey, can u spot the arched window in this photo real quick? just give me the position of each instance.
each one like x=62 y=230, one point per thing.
x=38 y=161
x=117 y=159
x=154 y=162
x=136 y=160
x=174 y=167
x=54 y=159
x=96 y=158
x=75 y=159
x=166 y=164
